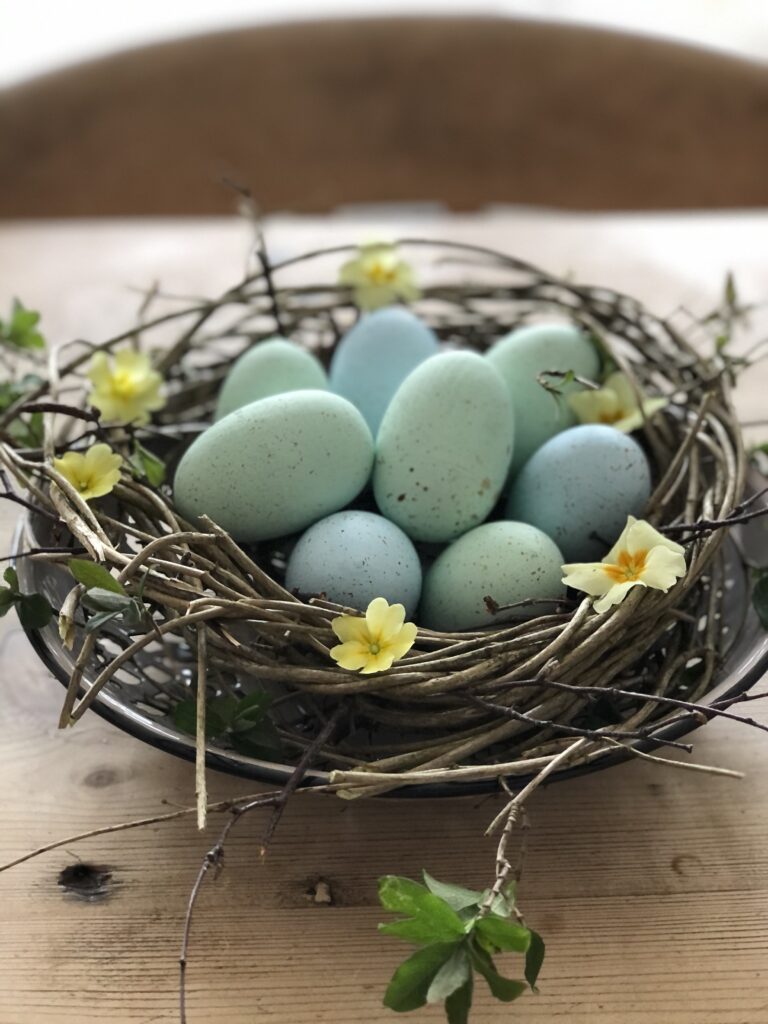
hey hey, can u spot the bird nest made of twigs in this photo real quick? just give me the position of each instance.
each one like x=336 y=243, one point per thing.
x=467 y=707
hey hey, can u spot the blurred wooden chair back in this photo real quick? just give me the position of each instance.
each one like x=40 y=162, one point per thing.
x=466 y=111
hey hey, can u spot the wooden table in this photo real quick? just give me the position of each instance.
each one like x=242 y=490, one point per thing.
x=650 y=884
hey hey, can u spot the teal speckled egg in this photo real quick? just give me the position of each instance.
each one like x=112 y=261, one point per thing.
x=375 y=356
x=586 y=480
x=508 y=562
x=444 y=447
x=520 y=357
x=271 y=367
x=353 y=557
x=275 y=466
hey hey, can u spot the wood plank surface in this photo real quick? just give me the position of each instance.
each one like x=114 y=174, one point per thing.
x=650 y=884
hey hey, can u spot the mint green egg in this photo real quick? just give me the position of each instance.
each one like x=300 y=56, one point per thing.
x=444 y=447
x=271 y=367
x=524 y=354
x=275 y=466
x=508 y=562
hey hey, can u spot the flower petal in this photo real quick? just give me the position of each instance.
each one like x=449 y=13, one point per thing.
x=591 y=577
x=622 y=543
x=622 y=387
x=98 y=371
x=350 y=627
x=352 y=656
x=384 y=620
x=403 y=642
x=663 y=567
x=599 y=406
x=616 y=595
x=378 y=662
x=641 y=536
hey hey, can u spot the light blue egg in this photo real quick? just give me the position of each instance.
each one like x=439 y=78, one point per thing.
x=275 y=466
x=586 y=480
x=444 y=447
x=375 y=356
x=508 y=562
x=271 y=367
x=524 y=354
x=353 y=557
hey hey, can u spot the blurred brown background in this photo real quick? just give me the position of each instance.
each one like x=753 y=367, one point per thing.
x=463 y=110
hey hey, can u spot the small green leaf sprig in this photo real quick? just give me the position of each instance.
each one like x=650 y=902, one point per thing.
x=33 y=610
x=458 y=936
x=245 y=722
x=20 y=330
x=107 y=598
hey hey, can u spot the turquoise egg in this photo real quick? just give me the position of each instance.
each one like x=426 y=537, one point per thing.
x=275 y=466
x=508 y=562
x=353 y=557
x=375 y=356
x=584 y=481
x=269 y=368
x=524 y=354
x=444 y=447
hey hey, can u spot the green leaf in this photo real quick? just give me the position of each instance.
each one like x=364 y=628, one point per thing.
x=20 y=330
x=29 y=432
x=91 y=575
x=454 y=973
x=534 y=958
x=185 y=718
x=8 y=599
x=503 y=934
x=401 y=895
x=458 y=1005
x=146 y=464
x=95 y=622
x=262 y=741
x=225 y=707
x=11 y=578
x=411 y=981
x=729 y=292
x=504 y=989
x=34 y=611
x=100 y=600
x=430 y=918
x=250 y=711
x=454 y=895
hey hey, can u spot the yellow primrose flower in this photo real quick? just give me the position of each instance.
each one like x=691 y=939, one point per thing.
x=92 y=475
x=373 y=643
x=641 y=557
x=378 y=277
x=126 y=389
x=615 y=404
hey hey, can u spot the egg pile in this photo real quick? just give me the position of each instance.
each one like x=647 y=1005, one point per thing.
x=444 y=438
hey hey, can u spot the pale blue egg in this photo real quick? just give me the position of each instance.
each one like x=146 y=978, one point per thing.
x=271 y=367
x=275 y=466
x=444 y=447
x=584 y=481
x=507 y=562
x=353 y=557
x=375 y=356
x=520 y=358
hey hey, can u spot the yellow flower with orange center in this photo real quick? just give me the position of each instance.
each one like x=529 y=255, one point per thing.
x=641 y=557
x=373 y=643
x=379 y=277
x=125 y=388
x=615 y=404
x=92 y=474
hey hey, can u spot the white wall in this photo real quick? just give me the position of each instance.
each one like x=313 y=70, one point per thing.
x=36 y=35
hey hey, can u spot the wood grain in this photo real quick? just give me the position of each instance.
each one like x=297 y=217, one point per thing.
x=650 y=884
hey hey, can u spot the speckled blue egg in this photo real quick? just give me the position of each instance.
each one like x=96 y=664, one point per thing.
x=375 y=356
x=271 y=367
x=509 y=562
x=524 y=354
x=277 y=465
x=353 y=557
x=444 y=447
x=586 y=480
